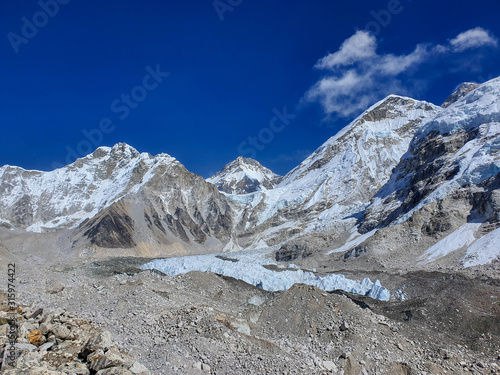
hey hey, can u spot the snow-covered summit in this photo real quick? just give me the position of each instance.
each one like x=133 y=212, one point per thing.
x=244 y=175
x=462 y=90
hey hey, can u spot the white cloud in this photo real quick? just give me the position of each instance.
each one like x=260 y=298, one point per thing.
x=357 y=76
x=344 y=95
x=473 y=38
x=360 y=46
x=394 y=65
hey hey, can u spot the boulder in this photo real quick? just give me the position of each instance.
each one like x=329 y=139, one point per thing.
x=99 y=340
x=35 y=337
x=139 y=369
x=61 y=332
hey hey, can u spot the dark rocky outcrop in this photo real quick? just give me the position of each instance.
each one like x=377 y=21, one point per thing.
x=111 y=229
x=289 y=252
x=459 y=93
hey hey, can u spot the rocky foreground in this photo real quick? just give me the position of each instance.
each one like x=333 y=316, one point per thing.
x=58 y=342
x=201 y=323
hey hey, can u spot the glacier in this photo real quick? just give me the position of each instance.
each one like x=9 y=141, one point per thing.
x=249 y=267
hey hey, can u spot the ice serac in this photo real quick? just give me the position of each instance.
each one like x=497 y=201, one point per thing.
x=244 y=175
x=449 y=177
x=339 y=179
x=250 y=268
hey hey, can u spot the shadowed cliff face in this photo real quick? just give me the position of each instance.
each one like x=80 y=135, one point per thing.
x=113 y=228
x=459 y=93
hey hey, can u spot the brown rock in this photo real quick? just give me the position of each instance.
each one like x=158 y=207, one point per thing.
x=36 y=338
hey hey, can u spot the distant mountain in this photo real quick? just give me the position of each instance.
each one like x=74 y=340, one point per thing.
x=244 y=175
x=459 y=93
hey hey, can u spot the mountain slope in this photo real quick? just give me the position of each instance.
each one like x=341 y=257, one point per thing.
x=64 y=197
x=402 y=177
x=244 y=175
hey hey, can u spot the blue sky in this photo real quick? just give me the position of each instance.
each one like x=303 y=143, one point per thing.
x=206 y=81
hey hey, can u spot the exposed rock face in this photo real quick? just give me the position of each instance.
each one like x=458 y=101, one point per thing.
x=244 y=175
x=112 y=228
x=459 y=93
x=289 y=252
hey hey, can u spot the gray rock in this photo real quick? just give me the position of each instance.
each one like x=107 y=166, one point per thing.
x=19 y=349
x=256 y=300
x=205 y=367
x=46 y=346
x=139 y=369
x=74 y=368
x=114 y=371
x=4 y=317
x=54 y=287
x=197 y=365
x=112 y=358
x=289 y=252
x=100 y=340
x=26 y=328
x=330 y=366
x=344 y=326
x=61 y=332
x=4 y=329
x=45 y=328
x=58 y=312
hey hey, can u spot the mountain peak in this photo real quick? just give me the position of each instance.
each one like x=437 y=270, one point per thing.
x=124 y=150
x=244 y=175
x=462 y=90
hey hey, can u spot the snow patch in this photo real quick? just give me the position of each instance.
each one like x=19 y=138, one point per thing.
x=462 y=237
x=484 y=250
x=353 y=243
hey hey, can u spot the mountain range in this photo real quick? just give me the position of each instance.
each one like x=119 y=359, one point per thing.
x=406 y=181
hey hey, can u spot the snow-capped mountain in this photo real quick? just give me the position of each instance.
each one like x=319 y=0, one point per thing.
x=65 y=197
x=244 y=175
x=458 y=148
x=444 y=194
x=118 y=198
